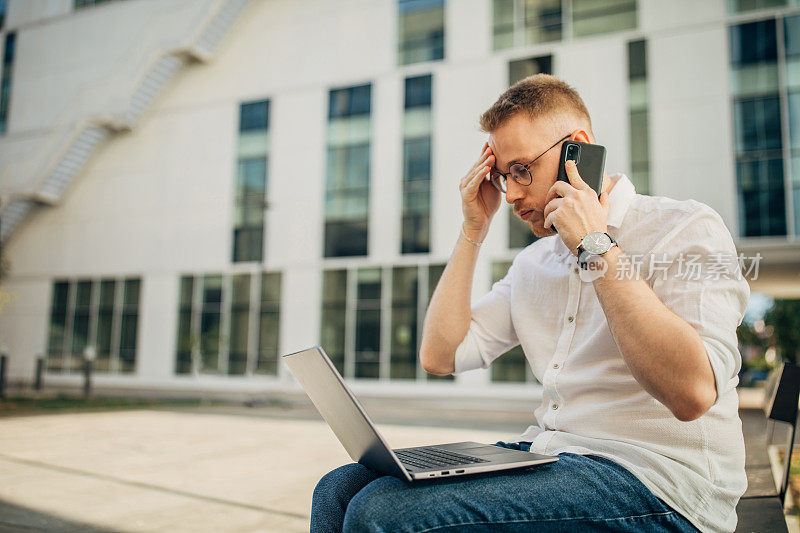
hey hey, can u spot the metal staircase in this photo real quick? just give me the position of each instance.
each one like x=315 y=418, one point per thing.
x=71 y=152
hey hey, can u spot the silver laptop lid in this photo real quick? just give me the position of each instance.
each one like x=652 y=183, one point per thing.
x=340 y=409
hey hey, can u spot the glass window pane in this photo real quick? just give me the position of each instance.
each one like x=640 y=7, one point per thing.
x=269 y=324
x=186 y=290
x=740 y=6
x=254 y=116
x=334 y=311
x=542 y=21
x=210 y=323
x=404 y=323
x=758 y=124
x=762 y=210
x=503 y=24
x=131 y=297
x=269 y=330
x=368 y=322
x=753 y=42
x=350 y=101
x=592 y=17
x=84 y=294
x=418 y=91
x=421 y=30
x=127 y=347
x=58 y=325
x=522 y=68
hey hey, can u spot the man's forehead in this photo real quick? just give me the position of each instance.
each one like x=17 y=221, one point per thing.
x=518 y=146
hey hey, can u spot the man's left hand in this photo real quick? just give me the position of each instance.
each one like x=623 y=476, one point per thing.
x=574 y=209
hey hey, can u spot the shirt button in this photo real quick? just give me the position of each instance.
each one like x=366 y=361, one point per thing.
x=555 y=406
x=570 y=318
x=555 y=365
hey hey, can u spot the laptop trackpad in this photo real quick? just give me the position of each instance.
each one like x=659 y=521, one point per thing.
x=486 y=450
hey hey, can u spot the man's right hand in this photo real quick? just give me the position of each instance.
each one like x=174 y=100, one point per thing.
x=480 y=200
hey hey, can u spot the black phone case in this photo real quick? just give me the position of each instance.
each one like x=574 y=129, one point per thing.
x=591 y=163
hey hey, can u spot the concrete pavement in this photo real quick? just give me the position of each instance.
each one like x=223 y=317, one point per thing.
x=173 y=471
x=217 y=468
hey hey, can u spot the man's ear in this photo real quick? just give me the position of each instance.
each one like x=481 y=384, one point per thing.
x=579 y=135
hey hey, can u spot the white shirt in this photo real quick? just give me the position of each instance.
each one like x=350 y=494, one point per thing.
x=591 y=402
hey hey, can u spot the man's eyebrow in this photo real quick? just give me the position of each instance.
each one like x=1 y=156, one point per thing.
x=522 y=160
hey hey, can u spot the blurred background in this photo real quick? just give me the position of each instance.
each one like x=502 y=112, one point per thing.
x=192 y=188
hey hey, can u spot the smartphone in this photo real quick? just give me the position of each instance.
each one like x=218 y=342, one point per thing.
x=590 y=159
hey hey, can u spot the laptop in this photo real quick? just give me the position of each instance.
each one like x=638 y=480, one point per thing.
x=362 y=440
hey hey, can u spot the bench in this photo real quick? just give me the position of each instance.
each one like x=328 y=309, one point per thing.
x=761 y=507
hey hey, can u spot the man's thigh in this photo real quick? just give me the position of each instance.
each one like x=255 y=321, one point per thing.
x=585 y=492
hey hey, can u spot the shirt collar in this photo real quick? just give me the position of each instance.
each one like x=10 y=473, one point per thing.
x=619 y=199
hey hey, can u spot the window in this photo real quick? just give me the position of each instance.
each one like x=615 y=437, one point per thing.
x=525 y=22
x=519 y=232
x=239 y=324
x=334 y=311
x=229 y=324
x=417 y=165
x=269 y=324
x=348 y=175
x=740 y=6
x=101 y=314
x=368 y=323
x=638 y=116
x=593 y=17
x=791 y=34
x=251 y=182
x=5 y=79
x=512 y=366
x=758 y=52
x=371 y=319
x=420 y=31
x=518 y=23
x=80 y=4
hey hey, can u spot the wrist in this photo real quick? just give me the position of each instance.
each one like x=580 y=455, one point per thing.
x=474 y=234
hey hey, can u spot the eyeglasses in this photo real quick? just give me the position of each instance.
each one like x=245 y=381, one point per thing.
x=521 y=173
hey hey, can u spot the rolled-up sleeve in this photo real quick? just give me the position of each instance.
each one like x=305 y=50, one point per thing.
x=491 y=331
x=711 y=297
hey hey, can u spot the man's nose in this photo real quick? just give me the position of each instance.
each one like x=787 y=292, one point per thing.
x=514 y=191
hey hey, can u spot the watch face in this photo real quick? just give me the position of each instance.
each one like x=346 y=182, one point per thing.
x=596 y=242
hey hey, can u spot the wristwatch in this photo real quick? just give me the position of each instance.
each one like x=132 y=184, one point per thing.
x=594 y=243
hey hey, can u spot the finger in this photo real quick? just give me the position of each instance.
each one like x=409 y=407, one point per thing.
x=550 y=219
x=559 y=189
x=477 y=178
x=573 y=175
x=483 y=160
x=552 y=206
x=470 y=175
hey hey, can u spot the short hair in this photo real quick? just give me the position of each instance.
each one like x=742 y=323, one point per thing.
x=538 y=96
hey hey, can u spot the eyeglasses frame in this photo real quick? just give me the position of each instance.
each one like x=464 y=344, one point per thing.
x=526 y=167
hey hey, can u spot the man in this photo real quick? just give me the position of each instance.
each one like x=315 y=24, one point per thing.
x=638 y=360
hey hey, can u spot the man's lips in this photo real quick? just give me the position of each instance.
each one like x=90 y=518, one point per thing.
x=525 y=214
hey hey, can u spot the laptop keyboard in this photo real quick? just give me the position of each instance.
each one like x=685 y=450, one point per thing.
x=435 y=458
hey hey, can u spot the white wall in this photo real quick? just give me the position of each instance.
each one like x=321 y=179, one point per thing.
x=158 y=202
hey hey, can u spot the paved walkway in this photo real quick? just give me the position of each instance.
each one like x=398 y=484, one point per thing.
x=173 y=471
x=214 y=469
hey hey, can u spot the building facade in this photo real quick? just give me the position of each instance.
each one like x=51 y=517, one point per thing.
x=193 y=188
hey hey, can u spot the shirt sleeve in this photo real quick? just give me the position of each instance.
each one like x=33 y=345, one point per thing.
x=703 y=285
x=491 y=331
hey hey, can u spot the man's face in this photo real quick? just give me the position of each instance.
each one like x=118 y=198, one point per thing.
x=520 y=140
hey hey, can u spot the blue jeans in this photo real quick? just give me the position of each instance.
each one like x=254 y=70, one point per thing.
x=575 y=493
